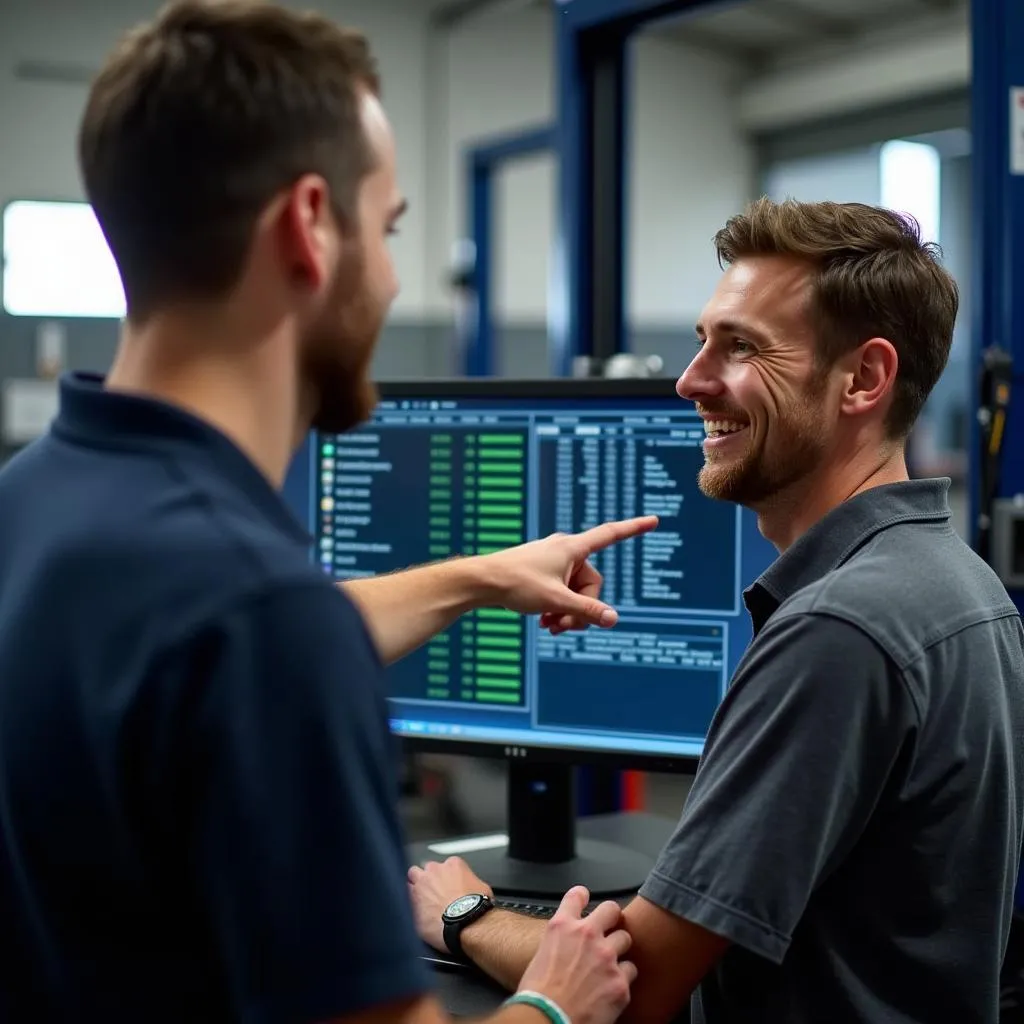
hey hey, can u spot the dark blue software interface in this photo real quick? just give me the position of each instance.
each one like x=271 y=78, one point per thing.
x=431 y=477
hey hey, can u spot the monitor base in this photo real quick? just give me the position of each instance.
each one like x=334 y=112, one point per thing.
x=606 y=869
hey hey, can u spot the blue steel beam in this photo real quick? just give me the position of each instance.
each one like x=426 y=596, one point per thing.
x=591 y=225
x=483 y=161
x=998 y=68
x=623 y=17
x=592 y=74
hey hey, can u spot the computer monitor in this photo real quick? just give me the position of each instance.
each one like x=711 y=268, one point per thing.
x=470 y=466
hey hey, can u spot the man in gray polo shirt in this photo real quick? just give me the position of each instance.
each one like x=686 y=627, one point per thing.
x=849 y=848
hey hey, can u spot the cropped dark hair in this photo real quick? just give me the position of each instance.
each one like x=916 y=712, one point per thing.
x=198 y=119
x=873 y=277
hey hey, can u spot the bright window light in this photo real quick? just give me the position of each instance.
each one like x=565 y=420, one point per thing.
x=910 y=178
x=57 y=263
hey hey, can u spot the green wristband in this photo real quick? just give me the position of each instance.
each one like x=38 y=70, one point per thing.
x=548 y=1007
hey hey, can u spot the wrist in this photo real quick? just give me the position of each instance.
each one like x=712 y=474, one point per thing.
x=521 y=1013
x=474 y=935
x=546 y=1007
x=471 y=583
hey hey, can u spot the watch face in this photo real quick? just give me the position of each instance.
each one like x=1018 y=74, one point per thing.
x=463 y=905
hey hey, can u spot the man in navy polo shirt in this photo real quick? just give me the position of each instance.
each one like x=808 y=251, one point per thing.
x=196 y=790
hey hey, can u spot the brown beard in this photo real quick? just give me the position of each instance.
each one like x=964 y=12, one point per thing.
x=794 y=449
x=338 y=351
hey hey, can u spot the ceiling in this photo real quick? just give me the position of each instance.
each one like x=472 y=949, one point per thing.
x=763 y=29
x=758 y=31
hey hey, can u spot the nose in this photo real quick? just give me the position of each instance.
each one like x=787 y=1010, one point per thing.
x=699 y=379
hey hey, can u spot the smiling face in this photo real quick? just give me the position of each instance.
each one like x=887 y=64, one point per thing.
x=767 y=408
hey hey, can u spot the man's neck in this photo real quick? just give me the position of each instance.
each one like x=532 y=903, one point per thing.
x=788 y=516
x=248 y=390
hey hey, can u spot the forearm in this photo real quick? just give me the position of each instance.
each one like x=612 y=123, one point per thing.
x=403 y=610
x=502 y=944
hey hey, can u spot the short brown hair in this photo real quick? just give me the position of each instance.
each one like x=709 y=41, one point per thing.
x=198 y=119
x=874 y=277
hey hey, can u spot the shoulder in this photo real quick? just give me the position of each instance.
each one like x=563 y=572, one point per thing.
x=910 y=587
x=813 y=649
x=136 y=509
x=818 y=669
x=306 y=612
x=301 y=621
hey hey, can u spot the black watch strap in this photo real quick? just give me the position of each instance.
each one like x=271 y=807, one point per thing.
x=453 y=929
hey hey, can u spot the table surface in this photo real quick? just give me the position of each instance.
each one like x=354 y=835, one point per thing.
x=470 y=993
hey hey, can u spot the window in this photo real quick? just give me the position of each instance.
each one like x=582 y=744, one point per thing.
x=57 y=262
x=910 y=179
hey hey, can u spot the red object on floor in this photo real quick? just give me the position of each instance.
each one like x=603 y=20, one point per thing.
x=633 y=791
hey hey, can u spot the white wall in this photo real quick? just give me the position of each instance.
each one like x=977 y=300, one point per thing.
x=39 y=121
x=496 y=76
x=850 y=176
x=690 y=167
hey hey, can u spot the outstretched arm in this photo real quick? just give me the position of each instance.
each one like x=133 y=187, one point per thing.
x=403 y=610
x=551 y=577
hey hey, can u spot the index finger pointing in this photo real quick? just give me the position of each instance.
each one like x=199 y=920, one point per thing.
x=603 y=536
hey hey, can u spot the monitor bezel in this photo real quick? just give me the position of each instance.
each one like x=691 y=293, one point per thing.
x=551 y=387
x=521 y=387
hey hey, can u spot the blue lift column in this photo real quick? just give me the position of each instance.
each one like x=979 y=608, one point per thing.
x=997 y=442
x=592 y=144
x=997 y=436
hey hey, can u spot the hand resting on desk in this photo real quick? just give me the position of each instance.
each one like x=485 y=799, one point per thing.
x=577 y=961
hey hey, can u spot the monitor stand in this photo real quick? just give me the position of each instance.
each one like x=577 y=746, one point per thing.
x=543 y=858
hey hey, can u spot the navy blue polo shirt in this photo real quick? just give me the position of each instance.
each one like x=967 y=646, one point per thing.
x=197 y=791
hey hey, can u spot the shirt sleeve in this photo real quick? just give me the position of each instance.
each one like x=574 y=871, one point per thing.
x=295 y=846
x=795 y=761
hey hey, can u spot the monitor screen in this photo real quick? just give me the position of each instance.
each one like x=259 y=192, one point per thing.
x=447 y=468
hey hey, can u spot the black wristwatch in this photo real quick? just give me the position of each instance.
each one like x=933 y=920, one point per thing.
x=460 y=913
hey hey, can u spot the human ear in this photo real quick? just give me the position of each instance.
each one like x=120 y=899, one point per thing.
x=870 y=376
x=304 y=232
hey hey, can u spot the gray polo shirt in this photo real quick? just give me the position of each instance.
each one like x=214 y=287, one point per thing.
x=855 y=824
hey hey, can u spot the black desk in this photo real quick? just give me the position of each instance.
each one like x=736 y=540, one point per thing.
x=471 y=993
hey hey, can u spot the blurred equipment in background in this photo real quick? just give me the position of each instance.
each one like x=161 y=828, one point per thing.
x=994 y=405
x=618 y=366
x=466 y=304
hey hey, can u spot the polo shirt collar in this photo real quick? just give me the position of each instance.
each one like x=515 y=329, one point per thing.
x=90 y=414
x=836 y=537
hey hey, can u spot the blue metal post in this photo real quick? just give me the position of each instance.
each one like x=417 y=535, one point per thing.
x=483 y=161
x=998 y=168
x=592 y=46
x=997 y=27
